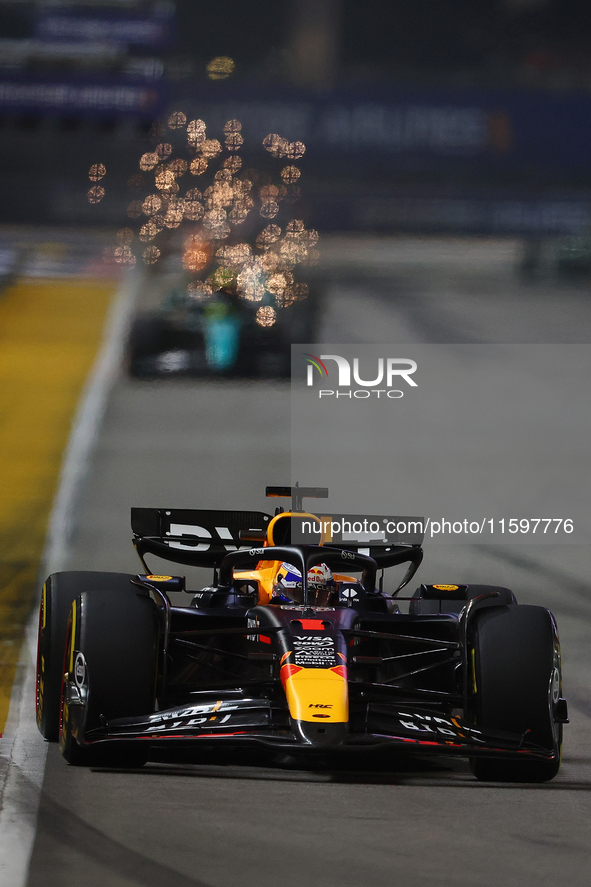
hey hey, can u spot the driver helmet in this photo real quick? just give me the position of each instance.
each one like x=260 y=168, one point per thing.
x=288 y=584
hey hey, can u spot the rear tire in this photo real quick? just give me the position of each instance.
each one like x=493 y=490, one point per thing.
x=59 y=591
x=116 y=632
x=518 y=682
x=144 y=343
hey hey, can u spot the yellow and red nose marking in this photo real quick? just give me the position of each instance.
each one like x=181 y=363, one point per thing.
x=316 y=694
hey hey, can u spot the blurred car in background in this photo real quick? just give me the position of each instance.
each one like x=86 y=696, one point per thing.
x=221 y=335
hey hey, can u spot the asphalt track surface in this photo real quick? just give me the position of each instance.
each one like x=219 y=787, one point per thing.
x=421 y=822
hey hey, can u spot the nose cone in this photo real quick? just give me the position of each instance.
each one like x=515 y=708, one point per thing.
x=320 y=735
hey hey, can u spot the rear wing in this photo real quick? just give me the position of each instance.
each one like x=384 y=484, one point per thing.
x=203 y=537
x=195 y=537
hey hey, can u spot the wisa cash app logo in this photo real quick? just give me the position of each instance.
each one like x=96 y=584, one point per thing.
x=388 y=373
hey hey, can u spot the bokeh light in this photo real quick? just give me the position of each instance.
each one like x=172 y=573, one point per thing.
x=290 y=174
x=163 y=150
x=198 y=166
x=151 y=255
x=251 y=280
x=234 y=256
x=195 y=133
x=151 y=204
x=268 y=236
x=234 y=141
x=178 y=167
x=124 y=256
x=266 y=316
x=96 y=172
x=200 y=290
x=196 y=253
x=148 y=161
x=149 y=230
x=125 y=236
x=210 y=148
x=269 y=209
x=177 y=120
x=259 y=265
x=220 y=67
x=135 y=209
x=164 y=180
x=95 y=194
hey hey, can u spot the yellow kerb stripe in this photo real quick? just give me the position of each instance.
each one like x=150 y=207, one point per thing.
x=49 y=334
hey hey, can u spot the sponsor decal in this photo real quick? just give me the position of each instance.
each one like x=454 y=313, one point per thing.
x=314 y=651
x=427 y=724
x=446 y=587
x=153 y=578
x=224 y=537
x=213 y=714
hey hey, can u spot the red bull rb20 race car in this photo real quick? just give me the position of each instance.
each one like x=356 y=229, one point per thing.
x=294 y=649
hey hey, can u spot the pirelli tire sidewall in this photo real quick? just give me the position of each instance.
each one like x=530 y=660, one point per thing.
x=114 y=636
x=517 y=680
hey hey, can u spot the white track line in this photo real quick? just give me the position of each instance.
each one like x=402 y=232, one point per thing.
x=22 y=750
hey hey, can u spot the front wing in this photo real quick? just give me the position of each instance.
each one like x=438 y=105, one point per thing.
x=252 y=722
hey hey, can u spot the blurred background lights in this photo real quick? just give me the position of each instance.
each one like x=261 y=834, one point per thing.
x=96 y=194
x=232 y=126
x=250 y=281
x=196 y=253
x=232 y=163
x=177 y=120
x=269 y=208
x=268 y=235
x=210 y=148
x=198 y=166
x=124 y=256
x=96 y=172
x=151 y=255
x=178 y=167
x=125 y=236
x=220 y=67
x=200 y=290
x=290 y=174
x=149 y=231
x=257 y=267
x=135 y=209
x=266 y=315
x=151 y=204
x=148 y=161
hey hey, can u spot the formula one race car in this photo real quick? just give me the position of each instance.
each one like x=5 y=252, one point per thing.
x=223 y=335
x=296 y=650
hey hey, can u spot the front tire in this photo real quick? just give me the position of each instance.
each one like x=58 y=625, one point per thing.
x=111 y=665
x=517 y=677
x=57 y=595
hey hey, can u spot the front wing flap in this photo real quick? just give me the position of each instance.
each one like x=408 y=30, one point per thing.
x=247 y=721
